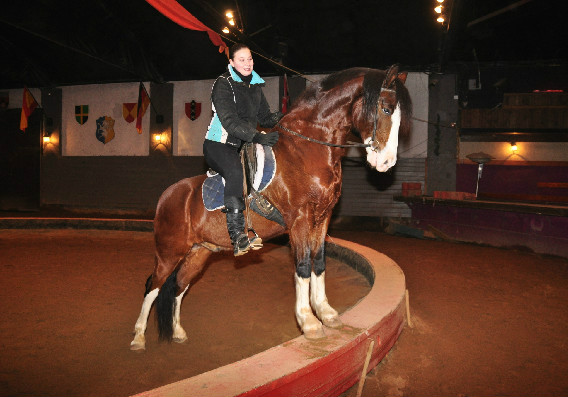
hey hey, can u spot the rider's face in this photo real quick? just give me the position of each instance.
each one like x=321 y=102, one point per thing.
x=242 y=61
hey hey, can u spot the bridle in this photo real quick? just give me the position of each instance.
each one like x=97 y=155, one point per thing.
x=373 y=144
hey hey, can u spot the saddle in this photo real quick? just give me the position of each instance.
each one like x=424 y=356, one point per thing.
x=260 y=167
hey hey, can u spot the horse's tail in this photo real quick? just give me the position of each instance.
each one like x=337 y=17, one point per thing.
x=165 y=307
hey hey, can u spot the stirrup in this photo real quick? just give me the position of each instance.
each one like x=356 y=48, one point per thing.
x=241 y=245
x=255 y=242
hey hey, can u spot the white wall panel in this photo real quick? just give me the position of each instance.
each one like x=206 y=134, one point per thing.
x=103 y=100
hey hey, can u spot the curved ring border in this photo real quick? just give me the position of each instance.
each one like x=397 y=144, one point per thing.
x=325 y=367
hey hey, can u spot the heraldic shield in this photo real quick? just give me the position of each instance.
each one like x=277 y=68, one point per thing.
x=193 y=110
x=105 y=129
x=81 y=113
x=129 y=111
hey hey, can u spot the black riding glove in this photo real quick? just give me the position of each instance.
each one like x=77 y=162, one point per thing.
x=268 y=139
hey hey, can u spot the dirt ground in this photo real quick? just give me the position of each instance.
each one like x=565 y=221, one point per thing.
x=486 y=321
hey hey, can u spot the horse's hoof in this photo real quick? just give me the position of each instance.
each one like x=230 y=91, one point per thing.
x=314 y=334
x=137 y=347
x=333 y=322
x=180 y=340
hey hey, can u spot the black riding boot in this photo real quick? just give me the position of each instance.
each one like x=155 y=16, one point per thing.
x=236 y=228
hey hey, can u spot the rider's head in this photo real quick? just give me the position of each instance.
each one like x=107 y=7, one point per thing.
x=240 y=59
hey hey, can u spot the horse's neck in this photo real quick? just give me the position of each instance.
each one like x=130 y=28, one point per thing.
x=325 y=130
x=305 y=154
x=330 y=119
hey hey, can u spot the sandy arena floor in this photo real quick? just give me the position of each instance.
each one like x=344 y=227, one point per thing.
x=487 y=321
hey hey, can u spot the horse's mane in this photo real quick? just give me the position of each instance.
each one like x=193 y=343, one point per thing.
x=371 y=90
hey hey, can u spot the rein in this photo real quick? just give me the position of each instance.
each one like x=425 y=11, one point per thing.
x=307 y=138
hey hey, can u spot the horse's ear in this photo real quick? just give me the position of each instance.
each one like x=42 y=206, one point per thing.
x=402 y=77
x=390 y=76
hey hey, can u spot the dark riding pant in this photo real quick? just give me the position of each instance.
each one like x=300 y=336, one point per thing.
x=226 y=160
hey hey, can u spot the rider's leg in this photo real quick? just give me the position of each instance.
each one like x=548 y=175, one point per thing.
x=234 y=207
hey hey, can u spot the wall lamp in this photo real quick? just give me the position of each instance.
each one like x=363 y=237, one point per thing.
x=158 y=138
x=514 y=147
x=50 y=143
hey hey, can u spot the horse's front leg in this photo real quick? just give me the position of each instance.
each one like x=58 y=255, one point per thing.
x=310 y=325
x=318 y=299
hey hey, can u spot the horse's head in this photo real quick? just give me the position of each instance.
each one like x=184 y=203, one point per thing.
x=387 y=111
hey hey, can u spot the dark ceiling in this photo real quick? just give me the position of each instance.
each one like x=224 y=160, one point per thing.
x=53 y=42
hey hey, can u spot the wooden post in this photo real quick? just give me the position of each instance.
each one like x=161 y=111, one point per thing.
x=408 y=320
x=364 y=374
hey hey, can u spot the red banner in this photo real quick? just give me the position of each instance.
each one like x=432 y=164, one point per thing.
x=143 y=102
x=285 y=97
x=28 y=105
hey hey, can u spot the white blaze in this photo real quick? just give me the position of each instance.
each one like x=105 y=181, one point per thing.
x=386 y=158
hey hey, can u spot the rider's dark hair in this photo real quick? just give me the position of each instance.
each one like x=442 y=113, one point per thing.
x=235 y=48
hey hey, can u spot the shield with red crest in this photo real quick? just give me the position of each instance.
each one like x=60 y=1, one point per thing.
x=193 y=110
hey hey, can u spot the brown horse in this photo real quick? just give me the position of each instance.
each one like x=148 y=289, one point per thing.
x=371 y=103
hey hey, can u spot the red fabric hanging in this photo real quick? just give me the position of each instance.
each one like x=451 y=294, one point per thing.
x=174 y=11
x=143 y=102
x=28 y=105
x=285 y=97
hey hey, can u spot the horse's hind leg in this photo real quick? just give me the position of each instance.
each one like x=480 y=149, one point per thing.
x=318 y=299
x=192 y=266
x=139 y=341
x=179 y=335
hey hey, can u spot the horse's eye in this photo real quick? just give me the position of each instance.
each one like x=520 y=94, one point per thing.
x=387 y=111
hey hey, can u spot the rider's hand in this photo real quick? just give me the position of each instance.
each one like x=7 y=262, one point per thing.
x=267 y=139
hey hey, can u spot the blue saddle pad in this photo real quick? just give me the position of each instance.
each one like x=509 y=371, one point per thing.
x=214 y=186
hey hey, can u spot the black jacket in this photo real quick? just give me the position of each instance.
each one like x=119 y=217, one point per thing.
x=239 y=107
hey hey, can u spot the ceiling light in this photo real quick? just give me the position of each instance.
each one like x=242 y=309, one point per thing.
x=438 y=9
x=440 y=19
x=229 y=14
